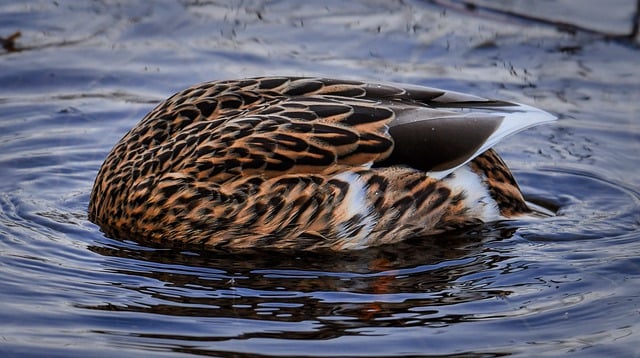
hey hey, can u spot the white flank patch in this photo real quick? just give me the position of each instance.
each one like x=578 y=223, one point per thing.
x=356 y=197
x=477 y=197
x=356 y=203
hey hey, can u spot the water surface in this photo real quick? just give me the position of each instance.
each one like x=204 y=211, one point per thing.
x=82 y=74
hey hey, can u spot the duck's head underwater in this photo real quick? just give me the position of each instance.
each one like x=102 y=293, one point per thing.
x=290 y=163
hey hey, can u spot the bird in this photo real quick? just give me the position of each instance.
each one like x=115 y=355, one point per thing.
x=304 y=163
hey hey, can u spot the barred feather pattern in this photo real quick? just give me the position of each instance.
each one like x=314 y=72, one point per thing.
x=284 y=163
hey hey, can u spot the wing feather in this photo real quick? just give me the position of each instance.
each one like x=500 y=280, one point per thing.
x=279 y=124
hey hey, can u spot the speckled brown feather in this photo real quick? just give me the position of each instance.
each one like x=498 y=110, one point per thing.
x=281 y=163
x=500 y=182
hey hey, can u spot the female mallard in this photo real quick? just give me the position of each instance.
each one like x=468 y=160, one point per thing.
x=306 y=163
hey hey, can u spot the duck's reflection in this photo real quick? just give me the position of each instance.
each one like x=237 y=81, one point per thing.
x=398 y=285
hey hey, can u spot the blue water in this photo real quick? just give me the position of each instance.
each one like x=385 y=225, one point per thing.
x=86 y=72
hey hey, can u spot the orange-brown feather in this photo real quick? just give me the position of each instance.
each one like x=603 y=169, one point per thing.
x=258 y=163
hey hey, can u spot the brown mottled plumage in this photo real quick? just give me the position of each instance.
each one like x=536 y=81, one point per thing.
x=306 y=163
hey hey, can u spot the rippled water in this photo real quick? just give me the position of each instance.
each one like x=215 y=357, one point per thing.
x=86 y=72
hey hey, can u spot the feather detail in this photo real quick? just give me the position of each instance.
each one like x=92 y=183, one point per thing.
x=308 y=163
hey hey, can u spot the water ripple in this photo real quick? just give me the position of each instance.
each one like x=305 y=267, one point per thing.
x=87 y=73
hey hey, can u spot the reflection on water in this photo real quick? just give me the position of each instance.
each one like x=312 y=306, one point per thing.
x=314 y=296
x=564 y=284
x=370 y=288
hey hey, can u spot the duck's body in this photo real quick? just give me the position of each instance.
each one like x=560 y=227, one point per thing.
x=303 y=163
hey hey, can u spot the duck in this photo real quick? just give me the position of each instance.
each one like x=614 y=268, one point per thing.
x=303 y=163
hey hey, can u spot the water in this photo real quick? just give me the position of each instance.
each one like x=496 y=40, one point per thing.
x=87 y=72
